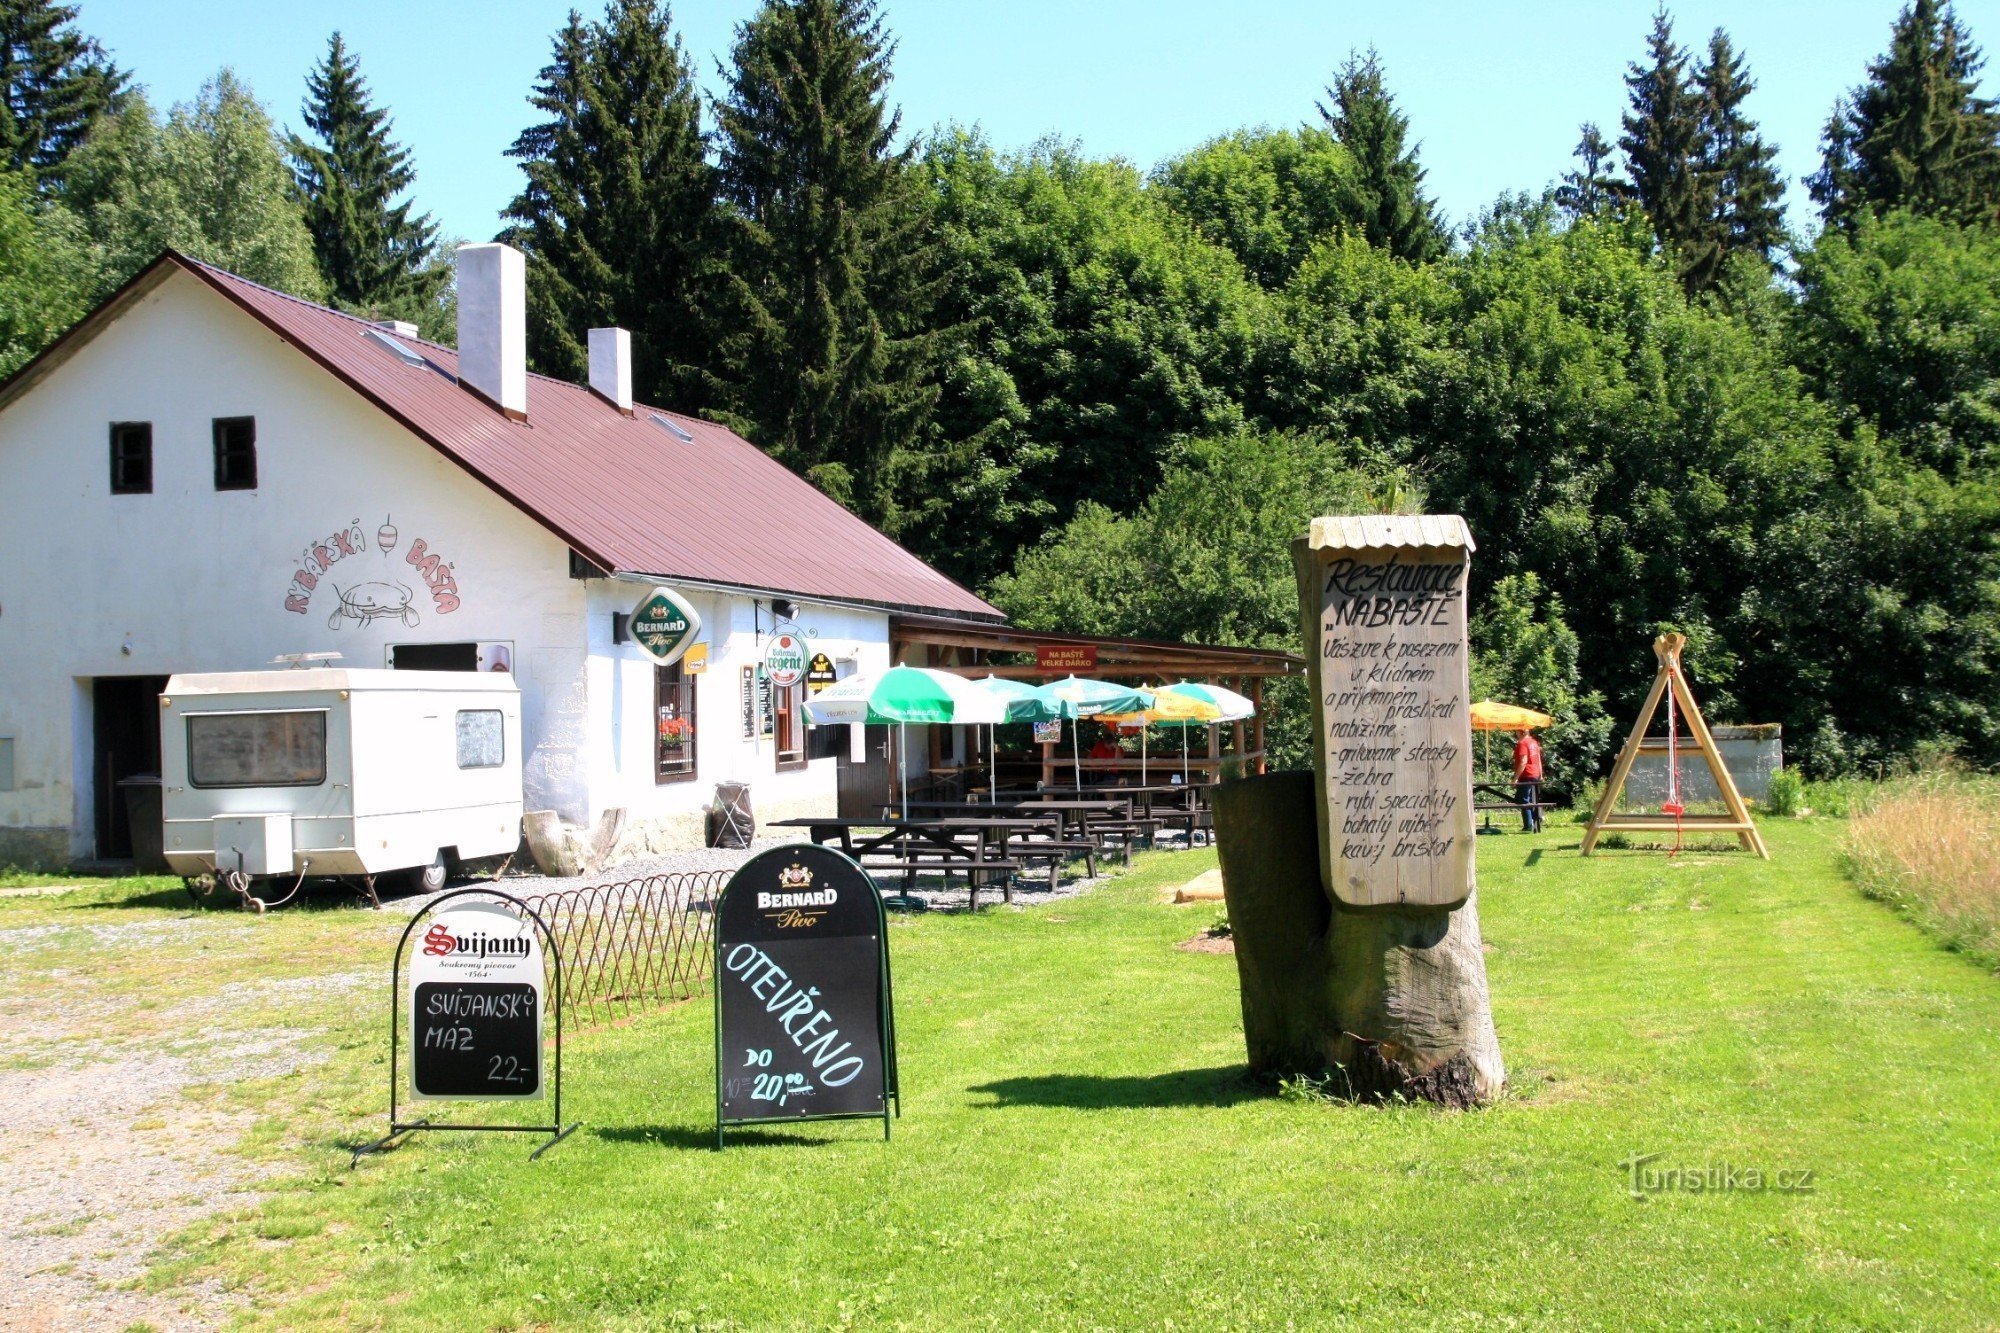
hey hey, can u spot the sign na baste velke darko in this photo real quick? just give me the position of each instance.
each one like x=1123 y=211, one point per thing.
x=476 y=1007
x=804 y=1024
x=664 y=626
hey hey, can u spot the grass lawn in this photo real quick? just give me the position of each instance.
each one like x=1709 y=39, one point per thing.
x=1078 y=1146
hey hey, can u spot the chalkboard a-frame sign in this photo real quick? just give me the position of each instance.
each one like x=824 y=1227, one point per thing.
x=475 y=1006
x=805 y=1025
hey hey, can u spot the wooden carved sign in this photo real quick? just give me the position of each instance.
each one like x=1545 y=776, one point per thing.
x=1384 y=608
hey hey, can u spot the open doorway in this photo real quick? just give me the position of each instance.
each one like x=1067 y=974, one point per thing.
x=125 y=743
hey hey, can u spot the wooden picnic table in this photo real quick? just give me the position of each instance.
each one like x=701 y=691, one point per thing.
x=1082 y=810
x=914 y=844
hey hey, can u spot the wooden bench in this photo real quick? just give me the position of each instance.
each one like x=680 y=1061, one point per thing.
x=944 y=865
x=1127 y=832
x=1057 y=852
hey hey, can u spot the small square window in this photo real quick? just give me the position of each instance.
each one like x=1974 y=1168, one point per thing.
x=236 y=453
x=131 y=458
x=482 y=738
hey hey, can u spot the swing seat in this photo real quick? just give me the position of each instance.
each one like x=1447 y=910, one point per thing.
x=1673 y=808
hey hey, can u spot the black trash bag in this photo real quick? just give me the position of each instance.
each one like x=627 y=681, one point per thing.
x=730 y=821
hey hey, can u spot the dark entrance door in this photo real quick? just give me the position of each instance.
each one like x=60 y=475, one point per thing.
x=125 y=722
x=864 y=787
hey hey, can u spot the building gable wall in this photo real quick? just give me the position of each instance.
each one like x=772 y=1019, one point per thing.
x=357 y=536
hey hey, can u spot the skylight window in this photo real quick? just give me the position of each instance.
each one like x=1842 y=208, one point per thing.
x=396 y=349
x=673 y=428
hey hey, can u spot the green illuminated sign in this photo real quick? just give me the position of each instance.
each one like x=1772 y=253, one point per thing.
x=664 y=626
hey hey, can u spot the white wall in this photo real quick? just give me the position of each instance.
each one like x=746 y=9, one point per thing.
x=666 y=815
x=198 y=580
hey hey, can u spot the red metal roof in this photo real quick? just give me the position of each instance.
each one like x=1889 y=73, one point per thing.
x=623 y=491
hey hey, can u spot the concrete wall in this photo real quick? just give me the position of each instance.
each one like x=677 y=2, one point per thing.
x=189 y=578
x=1751 y=754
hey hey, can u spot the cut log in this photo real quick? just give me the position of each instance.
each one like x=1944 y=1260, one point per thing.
x=1387 y=1000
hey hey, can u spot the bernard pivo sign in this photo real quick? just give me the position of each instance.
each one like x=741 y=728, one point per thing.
x=804 y=1025
x=1384 y=609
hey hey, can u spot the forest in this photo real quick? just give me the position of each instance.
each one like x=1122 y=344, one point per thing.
x=1108 y=396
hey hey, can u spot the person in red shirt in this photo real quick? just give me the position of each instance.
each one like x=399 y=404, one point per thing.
x=1528 y=781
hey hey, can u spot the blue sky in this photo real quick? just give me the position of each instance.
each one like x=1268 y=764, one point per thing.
x=1494 y=91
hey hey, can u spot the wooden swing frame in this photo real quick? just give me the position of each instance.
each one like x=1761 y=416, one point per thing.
x=1605 y=818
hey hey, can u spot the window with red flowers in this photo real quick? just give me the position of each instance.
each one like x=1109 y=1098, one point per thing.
x=673 y=721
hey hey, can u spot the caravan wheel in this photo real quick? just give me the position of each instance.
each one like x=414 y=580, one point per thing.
x=430 y=878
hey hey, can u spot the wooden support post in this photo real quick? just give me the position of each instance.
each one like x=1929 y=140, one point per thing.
x=1257 y=724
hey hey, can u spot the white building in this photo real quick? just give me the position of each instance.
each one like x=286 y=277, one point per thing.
x=206 y=475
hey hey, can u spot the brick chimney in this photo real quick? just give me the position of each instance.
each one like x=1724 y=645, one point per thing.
x=493 y=326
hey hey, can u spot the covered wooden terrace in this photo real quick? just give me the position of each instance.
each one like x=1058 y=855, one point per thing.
x=976 y=650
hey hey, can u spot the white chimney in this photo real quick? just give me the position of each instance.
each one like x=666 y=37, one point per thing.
x=493 y=326
x=611 y=367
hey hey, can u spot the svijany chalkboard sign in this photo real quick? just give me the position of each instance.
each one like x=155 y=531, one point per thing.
x=805 y=1023
x=473 y=1012
x=476 y=1006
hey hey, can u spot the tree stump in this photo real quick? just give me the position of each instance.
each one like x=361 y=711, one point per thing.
x=1389 y=1000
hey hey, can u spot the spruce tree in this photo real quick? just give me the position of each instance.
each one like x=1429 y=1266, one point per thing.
x=1739 y=167
x=1916 y=135
x=376 y=257
x=54 y=85
x=826 y=358
x=616 y=216
x=1666 y=144
x=1592 y=189
x=1383 y=195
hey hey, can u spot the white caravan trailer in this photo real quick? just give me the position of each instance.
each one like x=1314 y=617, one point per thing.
x=338 y=772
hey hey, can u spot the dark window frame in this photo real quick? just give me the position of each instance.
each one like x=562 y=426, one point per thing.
x=788 y=723
x=675 y=699
x=235 y=462
x=123 y=460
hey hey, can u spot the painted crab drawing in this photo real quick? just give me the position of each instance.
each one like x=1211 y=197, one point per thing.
x=366 y=603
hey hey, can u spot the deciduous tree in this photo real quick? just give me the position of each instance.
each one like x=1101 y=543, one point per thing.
x=210 y=181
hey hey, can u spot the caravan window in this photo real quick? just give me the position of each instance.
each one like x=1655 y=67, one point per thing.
x=482 y=742
x=257 y=749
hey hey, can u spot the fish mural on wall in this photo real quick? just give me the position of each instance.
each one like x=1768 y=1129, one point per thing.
x=374 y=592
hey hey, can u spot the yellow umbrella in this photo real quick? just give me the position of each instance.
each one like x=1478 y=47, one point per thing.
x=1489 y=716
x=1168 y=706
